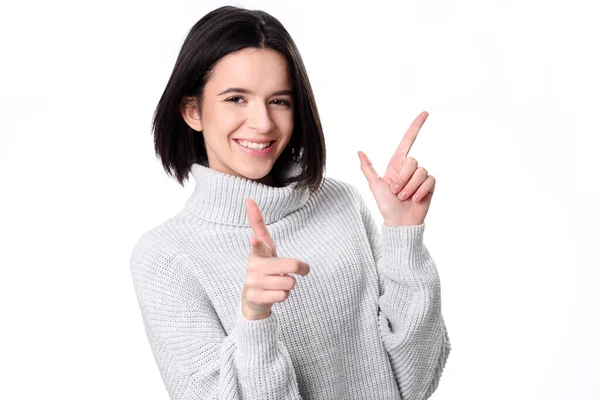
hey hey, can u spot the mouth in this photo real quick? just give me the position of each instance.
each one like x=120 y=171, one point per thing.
x=270 y=143
x=251 y=151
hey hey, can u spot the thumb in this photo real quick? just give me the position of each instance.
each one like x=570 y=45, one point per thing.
x=367 y=168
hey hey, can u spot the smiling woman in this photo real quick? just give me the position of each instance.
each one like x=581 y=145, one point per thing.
x=250 y=83
x=259 y=112
x=273 y=282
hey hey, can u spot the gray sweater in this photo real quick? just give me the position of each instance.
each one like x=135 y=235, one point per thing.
x=365 y=323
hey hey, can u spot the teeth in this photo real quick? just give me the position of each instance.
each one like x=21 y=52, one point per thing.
x=252 y=145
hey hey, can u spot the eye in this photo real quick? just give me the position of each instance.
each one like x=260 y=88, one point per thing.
x=284 y=102
x=234 y=99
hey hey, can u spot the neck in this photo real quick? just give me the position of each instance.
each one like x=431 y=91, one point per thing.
x=221 y=198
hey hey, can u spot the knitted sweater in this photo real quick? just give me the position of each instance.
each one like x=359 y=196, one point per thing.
x=365 y=323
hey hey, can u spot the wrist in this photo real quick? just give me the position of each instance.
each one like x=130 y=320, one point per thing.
x=402 y=223
x=253 y=317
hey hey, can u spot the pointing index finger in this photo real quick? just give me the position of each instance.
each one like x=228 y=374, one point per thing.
x=257 y=223
x=410 y=136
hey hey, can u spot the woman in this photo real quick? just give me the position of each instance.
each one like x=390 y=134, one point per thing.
x=273 y=282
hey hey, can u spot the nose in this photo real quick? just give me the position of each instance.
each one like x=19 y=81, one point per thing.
x=259 y=118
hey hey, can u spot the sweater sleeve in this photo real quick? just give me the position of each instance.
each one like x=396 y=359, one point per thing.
x=195 y=356
x=411 y=324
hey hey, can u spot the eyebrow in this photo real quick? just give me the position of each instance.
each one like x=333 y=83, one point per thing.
x=242 y=90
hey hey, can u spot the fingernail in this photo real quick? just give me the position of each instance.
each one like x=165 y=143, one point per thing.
x=403 y=196
x=416 y=197
x=395 y=188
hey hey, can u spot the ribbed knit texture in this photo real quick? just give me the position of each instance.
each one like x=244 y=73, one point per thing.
x=365 y=323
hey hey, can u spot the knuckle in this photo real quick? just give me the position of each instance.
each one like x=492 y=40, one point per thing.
x=277 y=296
x=251 y=281
x=252 y=267
x=251 y=271
x=250 y=295
x=289 y=282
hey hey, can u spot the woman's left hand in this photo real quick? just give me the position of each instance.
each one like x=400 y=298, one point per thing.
x=403 y=176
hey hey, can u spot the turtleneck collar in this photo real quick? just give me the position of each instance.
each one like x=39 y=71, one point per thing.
x=220 y=197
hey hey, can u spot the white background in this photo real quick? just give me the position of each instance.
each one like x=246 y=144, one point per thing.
x=512 y=138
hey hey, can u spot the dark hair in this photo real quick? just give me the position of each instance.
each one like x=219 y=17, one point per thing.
x=222 y=31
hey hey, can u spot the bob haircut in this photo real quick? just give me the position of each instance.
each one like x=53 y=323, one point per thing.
x=222 y=31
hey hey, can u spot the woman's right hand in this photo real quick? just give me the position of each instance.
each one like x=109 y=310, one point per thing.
x=267 y=276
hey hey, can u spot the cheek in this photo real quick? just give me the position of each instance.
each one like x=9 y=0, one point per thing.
x=285 y=122
x=222 y=120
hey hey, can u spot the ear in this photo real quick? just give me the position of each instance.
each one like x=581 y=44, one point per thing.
x=190 y=114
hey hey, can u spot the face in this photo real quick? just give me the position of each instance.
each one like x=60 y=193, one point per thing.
x=249 y=97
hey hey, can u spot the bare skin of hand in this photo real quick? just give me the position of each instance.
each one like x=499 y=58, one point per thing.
x=268 y=278
x=404 y=193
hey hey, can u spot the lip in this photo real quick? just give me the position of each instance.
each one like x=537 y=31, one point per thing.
x=256 y=140
x=256 y=153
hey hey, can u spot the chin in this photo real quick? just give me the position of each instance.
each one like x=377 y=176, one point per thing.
x=253 y=175
x=249 y=171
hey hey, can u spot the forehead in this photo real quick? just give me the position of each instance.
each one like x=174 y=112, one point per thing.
x=260 y=70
